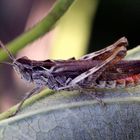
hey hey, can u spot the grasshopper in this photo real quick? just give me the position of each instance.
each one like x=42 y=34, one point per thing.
x=101 y=69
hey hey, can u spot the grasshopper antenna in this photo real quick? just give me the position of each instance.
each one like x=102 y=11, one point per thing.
x=7 y=63
x=8 y=52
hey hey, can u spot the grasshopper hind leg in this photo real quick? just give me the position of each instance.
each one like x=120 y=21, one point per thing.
x=97 y=98
x=94 y=95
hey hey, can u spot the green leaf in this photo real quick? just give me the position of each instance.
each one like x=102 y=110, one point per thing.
x=74 y=115
x=133 y=54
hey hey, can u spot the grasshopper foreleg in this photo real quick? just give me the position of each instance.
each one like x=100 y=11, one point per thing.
x=29 y=94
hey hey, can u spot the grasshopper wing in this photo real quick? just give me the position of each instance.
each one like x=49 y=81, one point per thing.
x=116 y=52
x=104 y=53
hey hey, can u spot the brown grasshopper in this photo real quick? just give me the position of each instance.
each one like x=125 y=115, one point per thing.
x=100 y=69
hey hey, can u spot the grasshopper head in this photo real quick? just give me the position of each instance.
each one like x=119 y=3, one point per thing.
x=23 y=69
x=22 y=65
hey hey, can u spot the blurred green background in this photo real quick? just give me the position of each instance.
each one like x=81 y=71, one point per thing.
x=87 y=26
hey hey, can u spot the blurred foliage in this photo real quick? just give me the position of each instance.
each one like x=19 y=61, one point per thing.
x=114 y=19
x=73 y=31
x=44 y=26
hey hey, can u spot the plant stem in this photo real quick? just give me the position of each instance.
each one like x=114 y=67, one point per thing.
x=44 y=26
